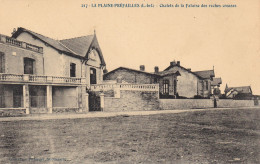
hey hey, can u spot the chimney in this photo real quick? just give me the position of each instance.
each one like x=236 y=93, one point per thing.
x=156 y=69
x=178 y=63
x=142 y=68
x=172 y=63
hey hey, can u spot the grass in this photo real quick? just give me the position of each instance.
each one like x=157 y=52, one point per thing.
x=219 y=136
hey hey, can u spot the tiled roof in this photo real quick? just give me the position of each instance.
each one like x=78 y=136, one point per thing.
x=243 y=89
x=52 y=42
x=188 y=70
x=205 y=74
x=130 y=69
x=138 y=71
x=165 y=73
x=79 y=45
x=216 y=81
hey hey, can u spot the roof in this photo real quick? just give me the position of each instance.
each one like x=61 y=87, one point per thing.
x=216 y=81
x=205 y=74
x=176 y=65
x=138 y=71
x=166 y=73
x=77 y=47
x=52 y=42
x=243 y=89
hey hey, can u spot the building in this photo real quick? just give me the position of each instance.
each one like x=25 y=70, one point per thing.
x=174 y=81
x=167 y=80
x=44 y=75
x=243 y=92
x=215 y=84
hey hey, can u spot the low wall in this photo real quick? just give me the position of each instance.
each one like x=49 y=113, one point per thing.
x=222 y=103
x=167 y=104
x=65 y=110
x=131 y=100
x=12 y=112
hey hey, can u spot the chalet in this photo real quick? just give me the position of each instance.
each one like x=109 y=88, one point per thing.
x=44 y=75
x=174 y=81
x=168 y=80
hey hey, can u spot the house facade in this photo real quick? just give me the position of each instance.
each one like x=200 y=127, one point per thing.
x=174 y=81
x=44 y=75
x=167 y=81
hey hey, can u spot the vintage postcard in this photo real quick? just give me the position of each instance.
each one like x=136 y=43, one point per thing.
x=129 y=81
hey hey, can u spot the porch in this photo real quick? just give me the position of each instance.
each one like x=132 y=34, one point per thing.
x=30 y=99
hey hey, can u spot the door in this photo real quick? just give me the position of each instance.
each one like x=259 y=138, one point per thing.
x=93 y=76
x=94 y=102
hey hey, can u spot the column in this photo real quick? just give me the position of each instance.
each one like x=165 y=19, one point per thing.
x=81 y=104
x=86 y=100
x=26 y=102
x=49 y=98
x=102 y=101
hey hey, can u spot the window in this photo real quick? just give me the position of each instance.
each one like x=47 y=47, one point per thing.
x=93 y=76
x=207 y=85
x=2 y=62
x=165 y=86
x=29 y=66
x=72 y=70
x=175 y=86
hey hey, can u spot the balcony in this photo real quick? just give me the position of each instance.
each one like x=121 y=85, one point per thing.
x=126 y=86
x=13 y=78
x=13 y=42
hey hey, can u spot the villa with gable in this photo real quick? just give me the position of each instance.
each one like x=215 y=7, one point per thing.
x=43 y=75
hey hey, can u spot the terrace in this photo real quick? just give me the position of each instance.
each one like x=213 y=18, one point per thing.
x=26 y=78
x=13 y=42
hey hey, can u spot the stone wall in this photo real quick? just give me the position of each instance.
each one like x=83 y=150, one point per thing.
x=168 y=104
x=65 y=110
x=222 y=103
x=12 y=112
x=132 y=101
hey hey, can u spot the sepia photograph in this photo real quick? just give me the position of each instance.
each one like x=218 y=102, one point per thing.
x=130 y=81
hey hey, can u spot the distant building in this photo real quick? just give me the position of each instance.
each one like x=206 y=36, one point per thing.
x=243 y=92
x=174 y=81
x=215 y=84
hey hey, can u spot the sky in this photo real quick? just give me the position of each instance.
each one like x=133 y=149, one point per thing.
x=200 y=38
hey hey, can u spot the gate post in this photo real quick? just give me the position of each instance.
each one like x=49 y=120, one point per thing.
x=26 y=101
x=86 y=100
x=49 y=98
x=102 y=101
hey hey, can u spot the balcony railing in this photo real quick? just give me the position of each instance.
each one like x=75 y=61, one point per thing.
x=17 y=43
x=137 y=87
x=41 y=79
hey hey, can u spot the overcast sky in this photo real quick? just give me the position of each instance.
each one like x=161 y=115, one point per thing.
x=226 y=38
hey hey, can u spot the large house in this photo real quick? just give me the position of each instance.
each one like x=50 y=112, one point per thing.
x=174 y=81
x=41 y=74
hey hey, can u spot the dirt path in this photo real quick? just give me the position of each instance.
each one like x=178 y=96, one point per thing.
x=108 y=114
